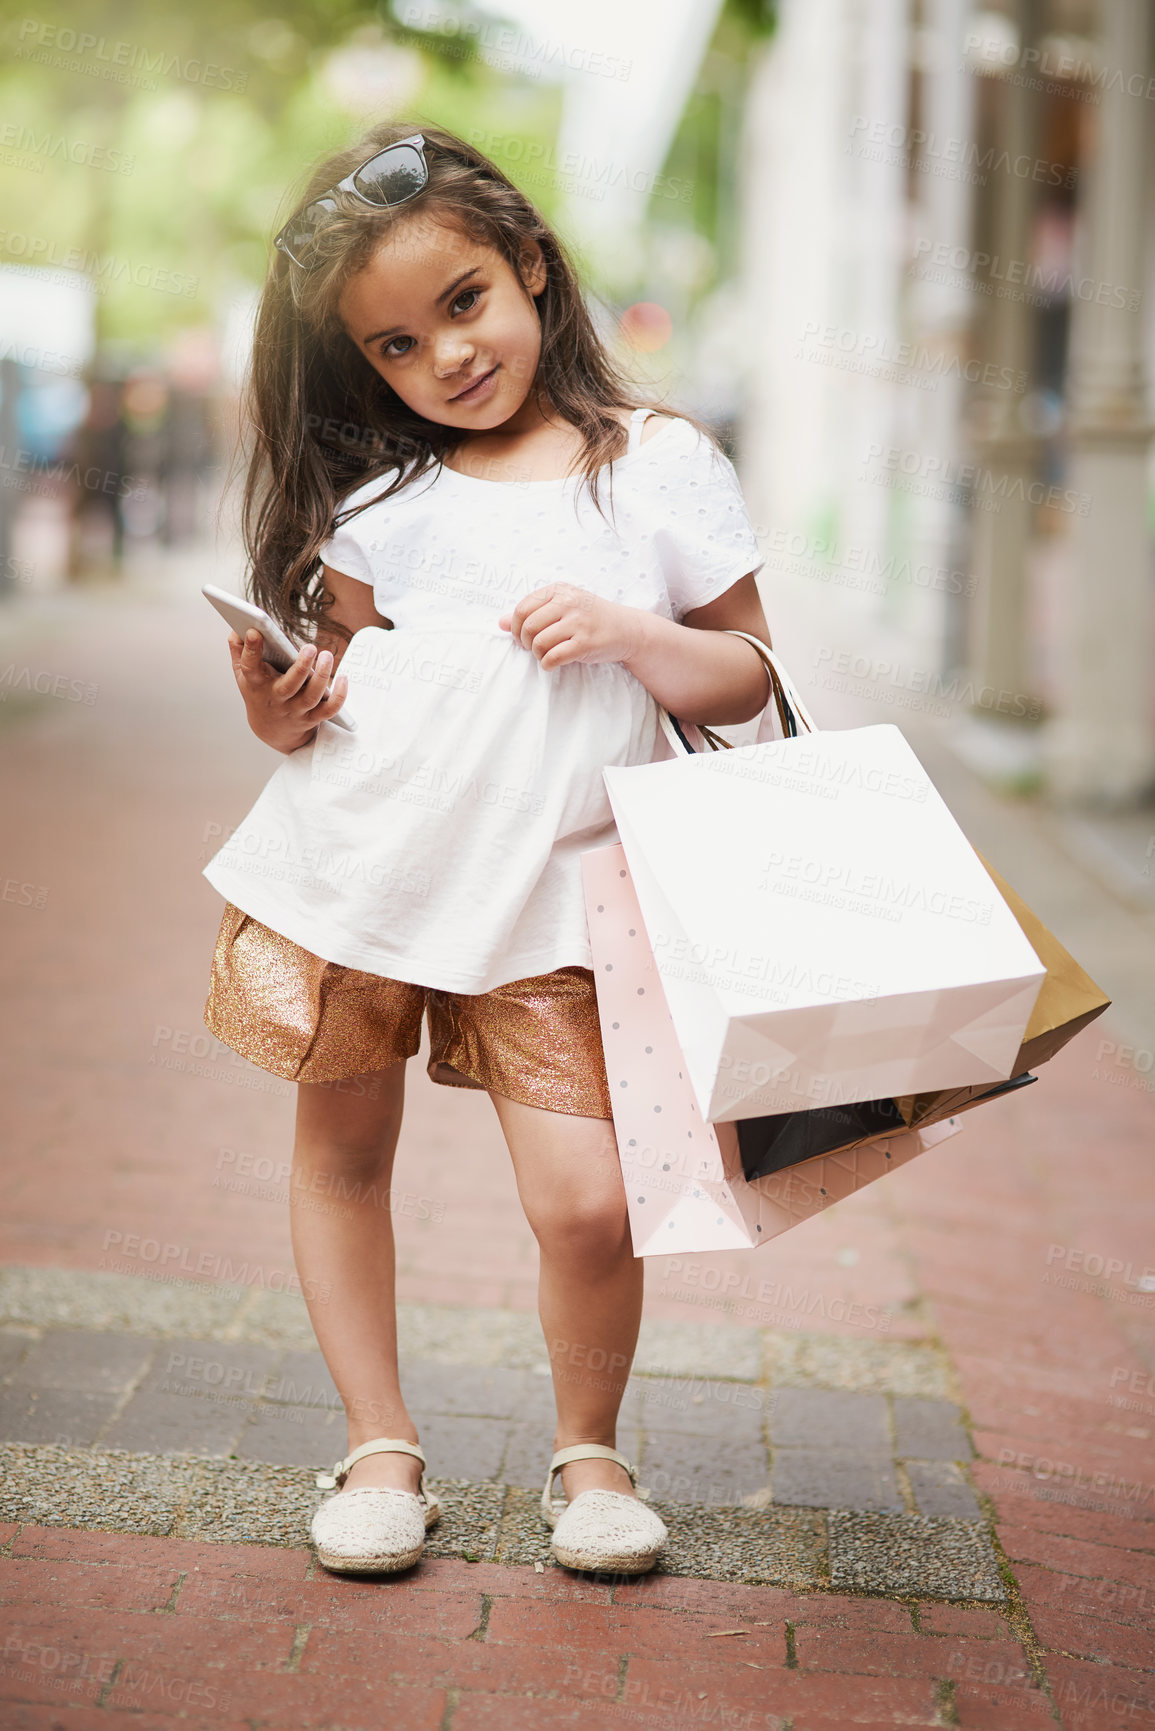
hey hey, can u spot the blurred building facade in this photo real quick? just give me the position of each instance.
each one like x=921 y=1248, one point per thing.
x=946 y=435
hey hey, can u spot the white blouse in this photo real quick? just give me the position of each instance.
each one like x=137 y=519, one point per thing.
x=441 y=842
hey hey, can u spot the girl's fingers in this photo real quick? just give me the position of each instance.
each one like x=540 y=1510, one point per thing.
x=519 y=614
x=252 y=658
x=333 y=702
x=550 y=635
x=313 y=691
x=561 y=652
x=295 y=677
x=550 y=613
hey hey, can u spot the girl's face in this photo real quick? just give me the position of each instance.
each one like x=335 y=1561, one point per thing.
x=446 y=323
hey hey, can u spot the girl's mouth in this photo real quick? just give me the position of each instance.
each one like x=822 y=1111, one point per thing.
x=481 y=388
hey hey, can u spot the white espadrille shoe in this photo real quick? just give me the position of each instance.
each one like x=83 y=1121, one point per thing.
x=602 y=1529
x=373 y=1529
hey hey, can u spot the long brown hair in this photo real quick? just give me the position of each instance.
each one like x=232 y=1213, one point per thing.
x=323 y=421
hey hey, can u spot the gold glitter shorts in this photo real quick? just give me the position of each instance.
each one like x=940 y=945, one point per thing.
x=536 y=1040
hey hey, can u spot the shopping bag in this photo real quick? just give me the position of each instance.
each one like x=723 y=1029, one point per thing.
x=685 y=1187
x=823 y=931
x=1068 y=1000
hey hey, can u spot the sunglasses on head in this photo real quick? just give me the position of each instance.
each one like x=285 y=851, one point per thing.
x=393 y=175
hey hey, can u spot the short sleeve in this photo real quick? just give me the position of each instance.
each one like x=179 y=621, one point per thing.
x=707 y=540
x=347 y=548
x=344 y=551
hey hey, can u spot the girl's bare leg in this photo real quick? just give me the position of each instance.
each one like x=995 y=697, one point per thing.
x=569 y=1179
x=342 y=1232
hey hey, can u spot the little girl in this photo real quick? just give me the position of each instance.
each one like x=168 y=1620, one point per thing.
x=430 y=401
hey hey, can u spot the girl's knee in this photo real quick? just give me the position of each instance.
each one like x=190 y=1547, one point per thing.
x=588 y=1227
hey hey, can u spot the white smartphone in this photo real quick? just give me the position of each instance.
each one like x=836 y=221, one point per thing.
x=280 y=651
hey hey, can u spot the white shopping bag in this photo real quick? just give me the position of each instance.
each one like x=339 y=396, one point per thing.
x=685 y=1188
x=823 y=930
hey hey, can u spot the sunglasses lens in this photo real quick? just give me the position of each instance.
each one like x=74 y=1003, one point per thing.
x=392 y=177
x=298 y=236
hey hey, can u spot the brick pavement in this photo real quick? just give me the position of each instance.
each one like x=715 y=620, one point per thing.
x=1017 y=1257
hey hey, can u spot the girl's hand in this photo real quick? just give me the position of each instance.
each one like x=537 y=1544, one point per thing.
x=563 y=623
x=285 y=709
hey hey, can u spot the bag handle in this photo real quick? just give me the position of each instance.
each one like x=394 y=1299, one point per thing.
x=790 y=707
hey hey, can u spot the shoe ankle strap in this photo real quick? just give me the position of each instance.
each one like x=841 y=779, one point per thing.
x=587 y=1452
x=382 y=1445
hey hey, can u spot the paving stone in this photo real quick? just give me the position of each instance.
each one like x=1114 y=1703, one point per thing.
x=208 y=1369
x=688 y=1469
x=834 y=1479
x=269 y=1318
x=99 y=1300
x=302 y=1379
x=296 y=1436
x=249 y=1502
x=113 y=1492
x=83 y=1362
x=470 y=1521
x=479 y=1391
x=462 y=1448
x=930 y=1430
x=14 y=1343
x=157 y=1423
x=698 y=1349
x=829 y=1419
x=913 y=1555
x=940 y=1489
x=800 y=1360
x=528 y=1453
x=703 y=1407
x=54 y=1416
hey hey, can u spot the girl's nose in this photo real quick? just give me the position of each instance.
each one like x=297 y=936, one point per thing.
x=450 y=357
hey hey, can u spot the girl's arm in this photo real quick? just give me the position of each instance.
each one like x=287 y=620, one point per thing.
x=285 y=709
x=696 y=671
